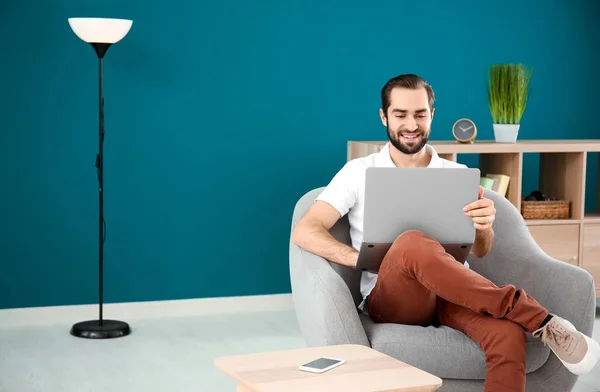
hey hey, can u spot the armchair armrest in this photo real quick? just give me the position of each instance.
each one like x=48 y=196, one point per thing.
x=324 y=306
x=517 y=259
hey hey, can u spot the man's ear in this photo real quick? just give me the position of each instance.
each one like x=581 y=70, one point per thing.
x=432 y=112
x=383 y=117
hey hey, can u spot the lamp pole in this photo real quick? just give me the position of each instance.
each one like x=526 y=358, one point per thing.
x=100 y=49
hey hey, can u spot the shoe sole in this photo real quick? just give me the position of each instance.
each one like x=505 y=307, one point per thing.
x=591 y=357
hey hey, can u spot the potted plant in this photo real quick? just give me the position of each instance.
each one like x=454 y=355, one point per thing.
x=508 y=92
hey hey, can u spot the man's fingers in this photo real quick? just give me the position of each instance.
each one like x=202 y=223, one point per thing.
x=480 y=227
x=482 y=212
x=483 y=219
x=481 y=203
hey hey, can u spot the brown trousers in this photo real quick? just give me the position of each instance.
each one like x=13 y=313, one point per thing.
x=420 y=284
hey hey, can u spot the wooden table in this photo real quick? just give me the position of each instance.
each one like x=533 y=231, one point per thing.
x=365 y=370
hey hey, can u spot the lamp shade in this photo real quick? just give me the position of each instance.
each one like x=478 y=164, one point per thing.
x=100 y=30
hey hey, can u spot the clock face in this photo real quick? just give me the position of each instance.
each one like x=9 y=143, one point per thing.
x=464 y=129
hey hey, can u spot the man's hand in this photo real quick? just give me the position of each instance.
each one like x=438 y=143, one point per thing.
x=482 y=212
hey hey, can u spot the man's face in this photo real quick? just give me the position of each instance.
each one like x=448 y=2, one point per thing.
x=408 y=119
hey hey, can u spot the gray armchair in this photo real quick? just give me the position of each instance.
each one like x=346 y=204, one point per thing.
x=326 y=296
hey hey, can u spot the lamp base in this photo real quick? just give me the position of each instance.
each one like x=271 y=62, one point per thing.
x=92 y=329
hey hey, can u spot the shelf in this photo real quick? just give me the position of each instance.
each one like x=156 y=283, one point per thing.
x=590 y=252
x=490 y=146
x=562 y=175
x=592 y=188
x=544 y=222
x=558 y=241
x=591 y=217
x=521 y=146
x=510 y=164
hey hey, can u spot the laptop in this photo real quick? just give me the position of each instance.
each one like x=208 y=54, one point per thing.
x=430 y=200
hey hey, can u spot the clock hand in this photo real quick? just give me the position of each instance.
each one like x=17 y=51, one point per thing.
x=468 y=128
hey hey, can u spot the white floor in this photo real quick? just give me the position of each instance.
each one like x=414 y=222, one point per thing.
x=163 y=354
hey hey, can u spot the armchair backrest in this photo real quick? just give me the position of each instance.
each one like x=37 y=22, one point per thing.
x=341 y=232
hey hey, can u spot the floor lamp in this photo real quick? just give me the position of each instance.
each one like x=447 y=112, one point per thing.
x=101 y=33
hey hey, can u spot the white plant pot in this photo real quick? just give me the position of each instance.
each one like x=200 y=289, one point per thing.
x=506 y=133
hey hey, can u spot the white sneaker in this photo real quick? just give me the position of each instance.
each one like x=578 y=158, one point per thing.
x=577 y=352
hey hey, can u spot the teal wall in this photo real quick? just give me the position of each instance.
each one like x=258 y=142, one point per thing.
x=219 y=115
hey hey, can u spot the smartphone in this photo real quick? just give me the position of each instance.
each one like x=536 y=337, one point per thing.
x=321 y=365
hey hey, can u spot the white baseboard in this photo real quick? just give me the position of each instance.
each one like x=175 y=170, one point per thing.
x=145 y=310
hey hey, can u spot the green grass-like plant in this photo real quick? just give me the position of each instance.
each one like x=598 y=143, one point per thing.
x=508 y=92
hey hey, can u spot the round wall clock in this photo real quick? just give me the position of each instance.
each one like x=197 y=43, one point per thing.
x=464 y=130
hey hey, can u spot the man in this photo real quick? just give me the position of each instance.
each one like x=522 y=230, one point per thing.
x=418 y=283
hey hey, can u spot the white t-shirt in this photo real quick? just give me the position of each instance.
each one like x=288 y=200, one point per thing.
x=346 y=193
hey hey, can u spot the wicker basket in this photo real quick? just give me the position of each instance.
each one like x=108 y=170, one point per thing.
x=559 y=209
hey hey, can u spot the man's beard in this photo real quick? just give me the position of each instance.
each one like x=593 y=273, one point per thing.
x=411 y=148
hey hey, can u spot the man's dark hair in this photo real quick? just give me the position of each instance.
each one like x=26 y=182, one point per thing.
x=411 y=81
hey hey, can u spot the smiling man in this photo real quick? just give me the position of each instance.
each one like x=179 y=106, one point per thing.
x=416 y=282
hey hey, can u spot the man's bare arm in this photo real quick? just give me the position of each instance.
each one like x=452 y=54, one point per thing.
x=483 y=242
x=312 y=234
